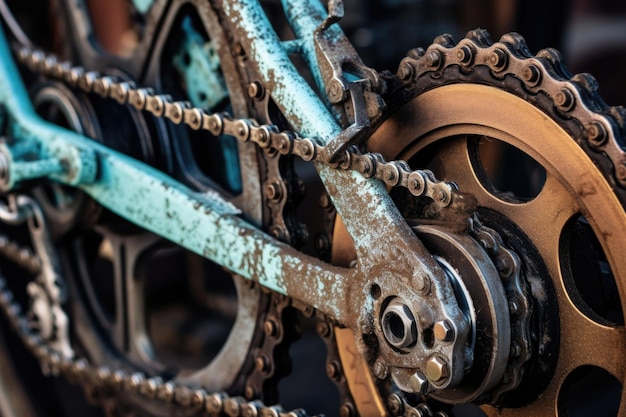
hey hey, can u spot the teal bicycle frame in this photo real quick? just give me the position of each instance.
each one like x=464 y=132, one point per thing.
x=209 y=225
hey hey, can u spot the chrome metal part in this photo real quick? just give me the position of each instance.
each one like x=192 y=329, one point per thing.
x=398 y=325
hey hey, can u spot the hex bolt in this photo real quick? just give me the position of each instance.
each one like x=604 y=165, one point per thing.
x=419 y=383
x=444 y=331
x=398 y=324
x=437 y=369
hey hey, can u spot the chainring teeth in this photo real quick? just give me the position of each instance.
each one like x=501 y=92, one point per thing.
x=599 y=127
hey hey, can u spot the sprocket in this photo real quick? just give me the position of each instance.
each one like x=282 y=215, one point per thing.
x=470 y=110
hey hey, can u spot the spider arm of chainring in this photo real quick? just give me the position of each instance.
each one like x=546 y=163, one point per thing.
x=389 y=254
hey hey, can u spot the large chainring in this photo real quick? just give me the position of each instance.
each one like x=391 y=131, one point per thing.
x=543 y=156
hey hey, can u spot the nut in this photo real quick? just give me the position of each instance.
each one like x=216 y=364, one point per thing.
x=398 y=324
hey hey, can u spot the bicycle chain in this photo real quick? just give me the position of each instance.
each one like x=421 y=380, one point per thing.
x=574 y=97
x=370 y=165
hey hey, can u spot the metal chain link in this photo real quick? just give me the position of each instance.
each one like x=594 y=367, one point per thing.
x=370 y=165
x=599 y=127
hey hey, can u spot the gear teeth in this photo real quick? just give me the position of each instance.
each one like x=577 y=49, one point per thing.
x=588 y=82
x=619 y=114
x=480 y=37
x=555 y=59
x=416 y=53
x=446 y=40
x=517 y=43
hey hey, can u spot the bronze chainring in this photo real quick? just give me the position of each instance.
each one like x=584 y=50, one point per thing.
x=453 y=102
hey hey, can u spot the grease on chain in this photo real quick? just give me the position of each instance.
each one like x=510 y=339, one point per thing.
x=370 y=165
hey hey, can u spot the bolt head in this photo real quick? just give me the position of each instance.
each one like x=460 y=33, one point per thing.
x=261 y=363
x=437 y=369
x=270 y=327
x=419 y=383
x=274 y=191
x=255 y=90
x=444 y=331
